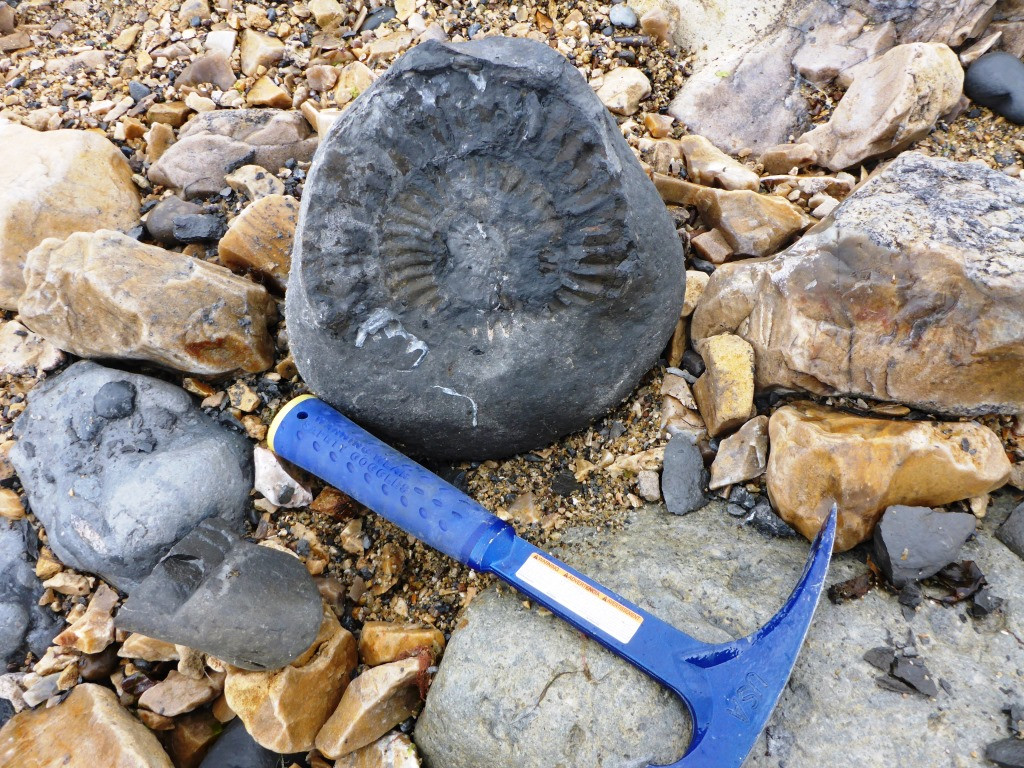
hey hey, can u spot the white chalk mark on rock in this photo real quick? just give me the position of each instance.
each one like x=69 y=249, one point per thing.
x=453 y=393
x=387 y=321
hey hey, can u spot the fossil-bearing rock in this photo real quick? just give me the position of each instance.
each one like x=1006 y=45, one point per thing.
x=481 y=265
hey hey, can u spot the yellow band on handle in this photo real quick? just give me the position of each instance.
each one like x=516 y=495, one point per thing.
x=280 y=417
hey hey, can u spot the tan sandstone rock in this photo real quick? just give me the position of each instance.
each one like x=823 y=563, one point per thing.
x=752 y=224
x=266 y=93
x=375 y=702
x=912 y=292
x=741 y=456
x=88 y=729
x=725 y=391
x=178 y=694
x=783 y=158
x=821 y=456
x=105 y=295
x=138 y=646
x=707 y=164
x=284 y=709
x=25 y=353
x=395 y=750
x=893 y=101
x=94 y=631
x=381 y=641
x=623 y=89
x=259 y=240
x=259 y=50
x=53 y=184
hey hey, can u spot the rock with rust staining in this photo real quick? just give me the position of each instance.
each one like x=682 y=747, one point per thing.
x=821 y=456
x=893 y=101
x=375 y=702
x=751 y=223
x=105 y=295
x=725 y=391
x=381 y=642
x=707 y=164
x=259 y=240
x=912 y=292
x=94 y=631
x=394 y=750
x=89 y=728
x=741 y=456
x=53 y=184
x=23 y=353
x=178 y=694
x=284 y=709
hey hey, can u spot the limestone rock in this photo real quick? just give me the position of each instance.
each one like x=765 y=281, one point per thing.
x=192 y=737
x=741 y=456
x=696 y=282
x=24 y=624
x=860 y=305
x=266 y=93
x=259 y=240
x=275 y=484
x=178 y=694
x=707 y=164
x=214 y=68
x=752 y=224
x=118 y=467
x=783 y=158
x=94 y=631
x=259 y=50
x=213 y=144
x=203 y=592
x=105 y=295
x=893 y=101
x=139 y=646
x=623 y=89
x=392 y=751
x=996 y=81
x=23 y=353
x=354 y=78
x=254 y=182
x=284 y=709
x=391 y=284
x=326 y=11
x=375 y=702
x=913 y=543
x=712 y=246
x=53 y=184
x=725 y=391
x=381 y=642
x=820 y=456
x=832 y=49
x=87 y=729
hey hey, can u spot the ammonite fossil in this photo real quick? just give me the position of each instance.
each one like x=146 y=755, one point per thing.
x=481 y=264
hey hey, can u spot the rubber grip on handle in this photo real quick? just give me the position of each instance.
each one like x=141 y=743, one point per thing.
x=310 y=433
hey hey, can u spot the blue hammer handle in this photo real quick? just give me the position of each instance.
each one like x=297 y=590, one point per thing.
x=729 y=688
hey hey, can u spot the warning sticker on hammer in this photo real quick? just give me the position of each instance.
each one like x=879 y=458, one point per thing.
x=590 y=604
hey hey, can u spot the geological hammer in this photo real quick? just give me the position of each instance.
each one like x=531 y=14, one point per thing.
x=730 y=688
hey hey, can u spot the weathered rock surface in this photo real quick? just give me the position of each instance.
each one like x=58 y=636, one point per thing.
x=683 y=477
x=725 y=391
x=996 y=81
x=913 y=543
x=213 y=144
x=94 y=631
x=118 y=467
x=105 y=295
x=259 y=240
x=393 y=284
x=87 y=729
x=707 y=164
x=517 y=688
x=203 y=593
x=53 y=184
x=1011 y=533
x=381 y=642
x=275 y=483
x=24 y=625
x=875 y=301
x=284 y=709
x=752 y=224
x=235 y=748
x=893 y=101
x=178 y=694
x=160 y=220
x=392 y=751
x=820 y=456
x=623 y=89
x=741 y=456
x=376 y=701
x=23 y=353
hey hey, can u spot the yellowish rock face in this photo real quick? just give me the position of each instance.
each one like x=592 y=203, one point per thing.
x=53 y=184
x=707 y=164
x=725 y=392
x=751 y=223
x=821 y=456
x=381 y=641
x=259 y=240
x=392 y=751
x=88 y=729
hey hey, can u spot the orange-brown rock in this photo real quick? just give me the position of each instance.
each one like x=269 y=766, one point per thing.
x=178 y=694
x=284 y=709
x=192 y=737
x=395 y=750
x=105 y=295
x=821 y=456
x=725 y=391
x=52 y=184
x=94 y=631
x=382 y=641
x=751 y=223
x=138 y=646
x=375 y=702
x=259 y=240
x=88 y=729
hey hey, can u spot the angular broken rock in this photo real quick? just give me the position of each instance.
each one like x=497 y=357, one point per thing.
x=623 y=89
x=374 y=703
x=260 y=238
x=913 y=543
x=118 y=467
x=105 y=295
x=381 y=642
x=213 y=144
x=1011 y=532
x=862 y=305
x=24 y=624
x=53 y=184
x=94 y=631
x=87 y=729
x=683 y=477
x=284 y=709
x=536 y=237
x=707 y=164
x=394 y=750
x=178 y=694
x=235 y=748
x=741 y=456
x=23 y=353
x=275 y=484
x=251 y=606
x=725 y=391
x=783 y=158
x=864 y=465
x=751 y=223
x=893 y=101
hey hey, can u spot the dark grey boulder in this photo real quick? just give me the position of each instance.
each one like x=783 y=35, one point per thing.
x=683 y=477
x=1011 y=532
x=996 y=81
x=24 y=625
x=1007 y=753
x=160 y=221
x=235 y=748
x=252 y=606
x=913 y=543
x=118 y=467
x=481 y=265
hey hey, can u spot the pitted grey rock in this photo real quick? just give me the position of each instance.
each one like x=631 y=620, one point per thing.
x=24 y=624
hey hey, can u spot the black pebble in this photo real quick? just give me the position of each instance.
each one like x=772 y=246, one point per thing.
x=114 y=400
x=1008 y=753
x=197 y=228
x=378 y=17
x=684 y=477
x=138 y=91
x=996 y=81
x=693 y=363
